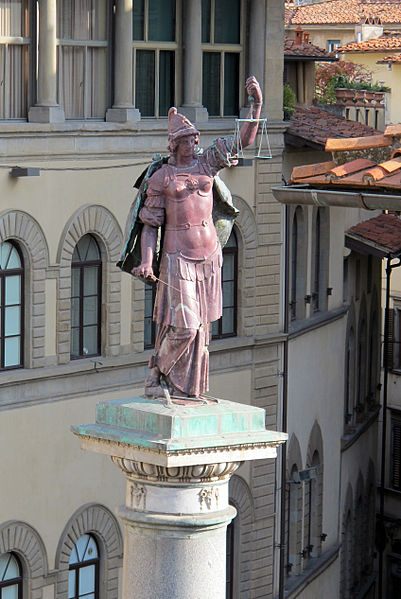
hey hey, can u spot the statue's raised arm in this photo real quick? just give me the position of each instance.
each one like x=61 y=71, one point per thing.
x=179 y=200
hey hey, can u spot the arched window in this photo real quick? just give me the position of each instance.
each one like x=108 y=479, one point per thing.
x=316 y=265
x=349 y=377
x=320 y=260
x=10 y=576
x=86 y=281
x=297 y=265
x=83 y=578
x=362 y=359
x=11 y=306
x=226 y=326
x=294 y=263
x=294 y=523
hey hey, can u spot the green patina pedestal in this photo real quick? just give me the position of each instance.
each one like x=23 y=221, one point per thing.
x=177 y=461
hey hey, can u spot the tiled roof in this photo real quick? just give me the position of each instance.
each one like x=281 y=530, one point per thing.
x=380 y=44
x=316 y=125
x=395 y=58
x=343 y=11
x=359 y=171
x=306 y=50
x=383 y=230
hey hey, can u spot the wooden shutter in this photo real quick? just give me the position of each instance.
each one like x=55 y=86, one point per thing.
x=390 y=340
x=396 y=454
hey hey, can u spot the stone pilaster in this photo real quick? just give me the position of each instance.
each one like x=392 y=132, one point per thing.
x=177 y=460
x=274 y=60
x=123 y=110
x=46 y=109
x=192 y=105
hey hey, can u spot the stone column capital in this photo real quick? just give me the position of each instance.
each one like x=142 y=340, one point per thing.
x=177 y=461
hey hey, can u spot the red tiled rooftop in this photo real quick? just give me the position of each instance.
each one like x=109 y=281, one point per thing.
x=343 y=11
x=395 y=58
x=306 y=50
x=380 y=44
x=383 y=230
x=360 y=172
x=316 y=125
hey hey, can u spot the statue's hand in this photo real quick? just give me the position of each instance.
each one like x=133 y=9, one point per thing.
x=253 y=88
x=143 y=271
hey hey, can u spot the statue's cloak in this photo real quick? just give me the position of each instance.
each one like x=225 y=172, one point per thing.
x=224 y=214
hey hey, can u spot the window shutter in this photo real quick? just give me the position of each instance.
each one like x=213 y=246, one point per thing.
x=390 y=339
x=396 y=455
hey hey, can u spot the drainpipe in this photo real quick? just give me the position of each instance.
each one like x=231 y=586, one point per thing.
x=380 y=531
x=283 y=548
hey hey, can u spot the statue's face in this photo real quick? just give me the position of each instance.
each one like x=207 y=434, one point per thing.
x=186 y=146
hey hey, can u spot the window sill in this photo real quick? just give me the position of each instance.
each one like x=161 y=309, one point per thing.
x=348 y=440
x=300 y=327
x=316 y=566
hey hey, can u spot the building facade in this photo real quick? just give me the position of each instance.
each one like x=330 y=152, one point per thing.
x=85 y=91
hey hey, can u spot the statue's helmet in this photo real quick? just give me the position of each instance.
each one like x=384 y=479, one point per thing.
x=179 y=125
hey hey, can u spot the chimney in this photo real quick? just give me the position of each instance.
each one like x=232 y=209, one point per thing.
x=298 y=36
x=306 y=37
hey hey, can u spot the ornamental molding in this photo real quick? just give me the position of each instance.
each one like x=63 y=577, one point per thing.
x=181 y=474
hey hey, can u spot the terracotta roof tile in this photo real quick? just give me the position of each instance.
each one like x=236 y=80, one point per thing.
x=316 y=125
x=383 y=230
x=374 y=174
x=357 y=143
x=391 y=165
x=380 y=44
x=349 y=167
x=393 y=130
x=306 y=50
x=344 y=11
x=367 y=170
x=394 y=59
x=311 y=170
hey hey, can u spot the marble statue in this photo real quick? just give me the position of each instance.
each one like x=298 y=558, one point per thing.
x=175 y=215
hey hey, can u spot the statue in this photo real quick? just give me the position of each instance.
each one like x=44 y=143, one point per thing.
x=173 y=213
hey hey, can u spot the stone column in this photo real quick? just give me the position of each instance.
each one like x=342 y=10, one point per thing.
x=177 y=461
x=46 y=109
x=192 y=106
x=123 y=110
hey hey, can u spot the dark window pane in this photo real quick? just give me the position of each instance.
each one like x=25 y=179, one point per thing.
x=161 y=27
x=211 y=82
x=91 y=280
x=85 y=299
x=228 y=327
x=231 y=84
x=227 y=21
x=138 y=15
x=145 y=82
x=205 y=21
x=166 y=83
x=90 y=342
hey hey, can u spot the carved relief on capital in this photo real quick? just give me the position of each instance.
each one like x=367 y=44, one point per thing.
x=183 y=474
